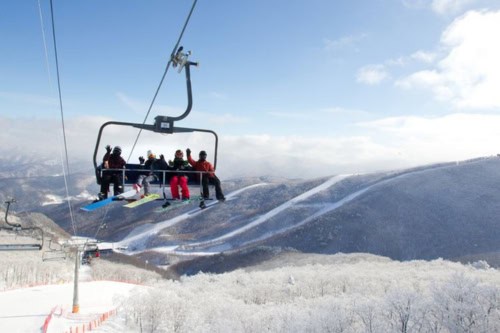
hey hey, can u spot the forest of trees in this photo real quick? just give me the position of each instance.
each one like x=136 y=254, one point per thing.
x=358 y=293
x=366 y=296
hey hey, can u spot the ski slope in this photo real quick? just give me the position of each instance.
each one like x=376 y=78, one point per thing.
x=262 y=219
x=141 y=235
x=207 y=247
x=25 y=310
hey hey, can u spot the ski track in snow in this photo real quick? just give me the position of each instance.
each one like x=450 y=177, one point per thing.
x=332 y=206
x=140 y=237
x=275 y=211
x=321 y=210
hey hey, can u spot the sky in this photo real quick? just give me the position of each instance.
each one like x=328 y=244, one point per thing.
x=293 y=88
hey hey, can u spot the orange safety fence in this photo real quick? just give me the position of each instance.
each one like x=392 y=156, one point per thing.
x=46 y=323
x=89 y=326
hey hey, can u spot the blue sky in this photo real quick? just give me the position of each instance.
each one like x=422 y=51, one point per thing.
x=294 y=88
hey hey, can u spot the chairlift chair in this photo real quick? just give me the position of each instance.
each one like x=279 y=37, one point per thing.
x=18 y=230
x=54 y=252
x=162 y=125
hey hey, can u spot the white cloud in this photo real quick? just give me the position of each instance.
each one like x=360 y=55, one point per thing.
x=372 y=74
x=453 y=137
x=301 y=157
x=424 y=56
x=415 y=4
x=343 y=42
x=337 y=110
x=418 y=56
x=441 y=7
x=469 y=74
x=291 y=115
x=388 y=144
x=217 y=96
x=226 y=119
x=444 y=7
x=134 y=105
x=38 y=100
x=141 y=107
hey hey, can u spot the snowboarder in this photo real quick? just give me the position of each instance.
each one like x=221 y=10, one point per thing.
x=208 y=175
x=151 y=164
x=112 y=160
x=179 y=178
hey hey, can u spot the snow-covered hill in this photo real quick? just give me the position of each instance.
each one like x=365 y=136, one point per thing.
x=267 y=239
x=446 y=210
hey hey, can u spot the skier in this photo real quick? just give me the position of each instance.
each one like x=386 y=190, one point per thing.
x=208 y=175
x=151 y=164
x=179 y=178
x=112 y=160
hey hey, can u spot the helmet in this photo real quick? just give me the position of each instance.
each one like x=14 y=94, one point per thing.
x=117 y=150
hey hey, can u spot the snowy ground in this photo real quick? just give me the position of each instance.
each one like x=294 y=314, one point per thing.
x=25 y=310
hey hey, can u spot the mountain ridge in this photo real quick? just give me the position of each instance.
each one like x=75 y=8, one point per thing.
x=442 y=210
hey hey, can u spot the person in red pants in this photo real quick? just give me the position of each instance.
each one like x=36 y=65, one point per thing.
x=179 y=178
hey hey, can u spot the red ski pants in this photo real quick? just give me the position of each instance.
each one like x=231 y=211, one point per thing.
x=181 y=181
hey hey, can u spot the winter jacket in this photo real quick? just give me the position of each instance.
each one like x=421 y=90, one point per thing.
x=202 y=166
x=179 y=164
x=154 y=164
x=114 y=161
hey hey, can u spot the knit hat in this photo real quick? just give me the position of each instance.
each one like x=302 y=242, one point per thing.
x=150 y=154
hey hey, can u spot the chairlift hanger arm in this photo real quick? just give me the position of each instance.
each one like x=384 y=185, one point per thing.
x=165 y=124
x=14 y=225
x=181 y=60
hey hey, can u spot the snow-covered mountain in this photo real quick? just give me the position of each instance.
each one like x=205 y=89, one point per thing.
x=292 y=292
x=446 y=210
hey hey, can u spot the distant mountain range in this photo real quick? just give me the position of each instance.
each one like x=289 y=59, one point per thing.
x=448 y=210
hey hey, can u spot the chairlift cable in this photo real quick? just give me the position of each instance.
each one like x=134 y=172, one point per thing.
x=103 y=223
x=44 y=44
x=164 y=75
x=65 y=176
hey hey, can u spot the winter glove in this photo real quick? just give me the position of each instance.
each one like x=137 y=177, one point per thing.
x=108 y=148
x=141 y=159
x=162 y=157
x=188 y=152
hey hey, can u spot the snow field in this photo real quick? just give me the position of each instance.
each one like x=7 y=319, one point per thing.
x=25 y=310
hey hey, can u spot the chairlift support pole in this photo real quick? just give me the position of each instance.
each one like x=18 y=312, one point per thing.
x=76 y=304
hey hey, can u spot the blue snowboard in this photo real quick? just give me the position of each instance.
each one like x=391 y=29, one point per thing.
x=98 y=204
